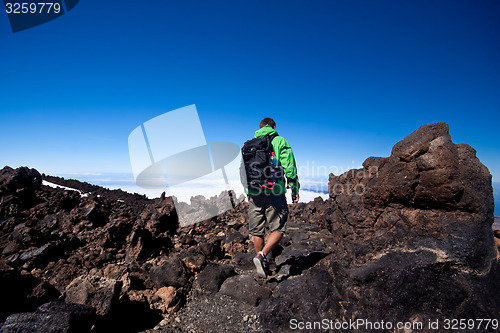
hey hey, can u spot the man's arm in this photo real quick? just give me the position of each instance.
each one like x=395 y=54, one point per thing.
x=287 y=161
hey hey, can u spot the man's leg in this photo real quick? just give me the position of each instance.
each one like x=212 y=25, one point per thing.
x=273 y=240
x=260 y=261
x=258 y=243
x=274 y=210
x=277 y=215
x=256 y=222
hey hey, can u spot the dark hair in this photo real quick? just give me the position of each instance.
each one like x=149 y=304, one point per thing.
x=267 y=121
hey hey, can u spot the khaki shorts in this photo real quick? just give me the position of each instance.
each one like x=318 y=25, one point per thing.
x=267 y=208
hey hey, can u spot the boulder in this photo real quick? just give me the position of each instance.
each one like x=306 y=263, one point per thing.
x=52 y=317
x=140 y=244
x=171 y=273
x=17 y=188
x=161 y=217
x=311 y=296
x=212 y=277
x=429 y=194
x=98 y=292
x=193 y=258
x=15 y=180
x=91 y=210
x=168 y=296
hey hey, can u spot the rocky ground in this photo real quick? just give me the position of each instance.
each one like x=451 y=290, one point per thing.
x=405 y=238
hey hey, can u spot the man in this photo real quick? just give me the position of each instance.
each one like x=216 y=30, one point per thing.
x=270 y=204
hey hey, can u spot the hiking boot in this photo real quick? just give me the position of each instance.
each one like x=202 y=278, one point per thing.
x=261 y=264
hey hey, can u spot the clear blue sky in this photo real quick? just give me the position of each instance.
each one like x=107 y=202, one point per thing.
x=344 y=79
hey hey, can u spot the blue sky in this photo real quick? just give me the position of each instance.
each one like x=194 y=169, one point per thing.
x=344 y=79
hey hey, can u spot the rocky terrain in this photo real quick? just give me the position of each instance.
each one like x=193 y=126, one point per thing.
x=407 y=238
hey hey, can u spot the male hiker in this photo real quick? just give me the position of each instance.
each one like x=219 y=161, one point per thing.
x=267 y=202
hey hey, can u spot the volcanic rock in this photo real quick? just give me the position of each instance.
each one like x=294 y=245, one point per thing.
x=171 y=273
x=98 y=292
x=245 y=289
x=17 y=190
x=212 y=277
x=308 y=297
x=52 y=317
x=168 y=295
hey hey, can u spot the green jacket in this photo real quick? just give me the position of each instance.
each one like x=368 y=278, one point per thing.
x=285 y=158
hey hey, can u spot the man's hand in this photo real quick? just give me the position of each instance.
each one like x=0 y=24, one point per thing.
x=295 y=198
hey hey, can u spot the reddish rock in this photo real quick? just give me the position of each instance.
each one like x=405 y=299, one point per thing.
x=168 y=296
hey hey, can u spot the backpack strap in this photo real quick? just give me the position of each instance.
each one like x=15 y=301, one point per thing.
x=271 y=137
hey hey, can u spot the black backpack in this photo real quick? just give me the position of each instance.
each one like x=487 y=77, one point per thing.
x=254 y=170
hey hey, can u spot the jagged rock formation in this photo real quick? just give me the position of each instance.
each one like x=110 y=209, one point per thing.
x=95 y=190
x=406 y=238
x=413 y=231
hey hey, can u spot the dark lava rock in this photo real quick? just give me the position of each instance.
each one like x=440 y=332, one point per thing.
x=52 y=317
x=194 y=258
x=245 y=289
x=18 y=293
x=14 y=180
x=140 y=244
x=244 y=260
x=91 y=210
x=129 y=198
x=308 y=297
x=161 y=217
x=98 y=292
x=429 y=194
x=17 y=188
x=172 y=273
x=236 y=237
x=212 y=277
